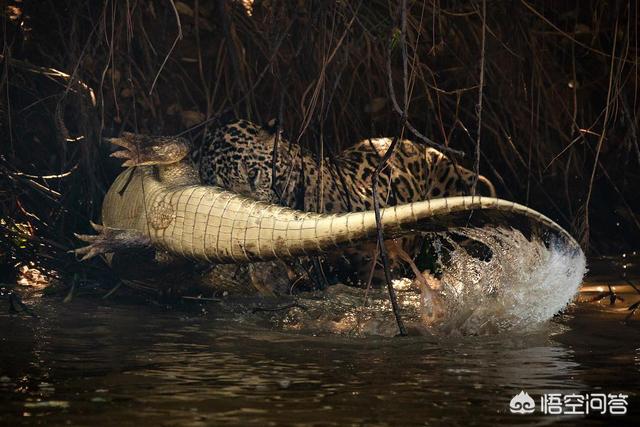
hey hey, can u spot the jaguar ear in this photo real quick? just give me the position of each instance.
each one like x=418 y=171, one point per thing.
x=272 y=126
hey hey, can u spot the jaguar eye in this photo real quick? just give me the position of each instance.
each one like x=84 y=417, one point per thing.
x=253 y=174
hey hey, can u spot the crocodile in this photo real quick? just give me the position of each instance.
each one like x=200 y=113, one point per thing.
x=159 y=202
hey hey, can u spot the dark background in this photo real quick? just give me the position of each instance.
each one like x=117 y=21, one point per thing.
x=559 y=117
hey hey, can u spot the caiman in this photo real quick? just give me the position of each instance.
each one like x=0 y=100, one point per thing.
x=158 y=202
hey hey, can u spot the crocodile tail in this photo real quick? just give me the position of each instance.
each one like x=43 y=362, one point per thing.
x=285 y=233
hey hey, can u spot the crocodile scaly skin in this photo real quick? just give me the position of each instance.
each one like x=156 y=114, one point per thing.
x=208 y=223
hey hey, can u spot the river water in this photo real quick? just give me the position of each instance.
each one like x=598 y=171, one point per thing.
x=94 y=361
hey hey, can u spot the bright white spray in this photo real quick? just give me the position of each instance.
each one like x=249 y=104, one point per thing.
x=523 y=284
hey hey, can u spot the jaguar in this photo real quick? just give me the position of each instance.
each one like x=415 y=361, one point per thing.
x=258 y=161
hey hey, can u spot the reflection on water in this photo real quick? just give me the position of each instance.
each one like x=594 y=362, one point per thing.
x=116 y=363
x=324 y=360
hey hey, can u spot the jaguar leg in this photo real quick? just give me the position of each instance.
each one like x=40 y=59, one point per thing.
x=433 y=305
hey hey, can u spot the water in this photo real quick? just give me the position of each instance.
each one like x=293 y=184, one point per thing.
x=115 y=362
x=522 y=284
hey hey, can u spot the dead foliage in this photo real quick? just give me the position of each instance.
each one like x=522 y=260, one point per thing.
x=558 y=80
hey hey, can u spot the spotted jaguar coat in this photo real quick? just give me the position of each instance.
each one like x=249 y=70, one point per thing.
x=243 y=157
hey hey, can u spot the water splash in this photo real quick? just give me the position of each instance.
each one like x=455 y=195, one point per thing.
x=523 y=284
x=515 y=284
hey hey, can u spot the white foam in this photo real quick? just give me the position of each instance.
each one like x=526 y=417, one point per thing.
x=523 y=284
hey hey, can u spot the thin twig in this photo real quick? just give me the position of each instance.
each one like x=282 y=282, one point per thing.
x=632 y=127
x=380 y=234
x=413 y=130
x=278 y=308
x=173 y=46
x=53 y=74
x=113 y=290
x=385 y=158
x=585 y=239
x=480 y=96
x=573 y=39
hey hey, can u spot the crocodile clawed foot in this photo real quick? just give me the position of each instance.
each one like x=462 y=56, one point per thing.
x=109 y=240
x=141 y=150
